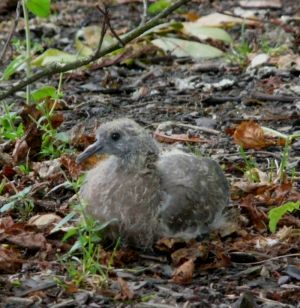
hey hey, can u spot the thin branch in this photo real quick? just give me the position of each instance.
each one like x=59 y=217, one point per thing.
x=103 y=30
x=105 y=13
x=12 y=31
x=61 y=68
x=145 y=10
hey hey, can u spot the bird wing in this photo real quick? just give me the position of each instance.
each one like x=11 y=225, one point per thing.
x=194 y=191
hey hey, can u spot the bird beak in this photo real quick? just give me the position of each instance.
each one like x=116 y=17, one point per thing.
x=88 y=152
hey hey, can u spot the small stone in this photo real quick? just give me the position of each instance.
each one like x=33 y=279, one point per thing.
x=206 y=122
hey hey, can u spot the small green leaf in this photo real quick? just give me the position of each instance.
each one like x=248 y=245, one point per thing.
x=65 y=220
x=53 y=55
x=158 y=6
x=13 y=66
x=277 y=213
x=183 y=48
x=40 y=8
x=44 y=92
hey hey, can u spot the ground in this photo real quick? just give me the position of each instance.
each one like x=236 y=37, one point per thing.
x=223 y=103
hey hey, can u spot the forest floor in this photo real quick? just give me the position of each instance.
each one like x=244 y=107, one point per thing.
x=222 y=108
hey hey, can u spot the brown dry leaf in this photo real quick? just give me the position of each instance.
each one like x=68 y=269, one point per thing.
x=29 y=240
x=8 y=171
x=20 y=151
x=221 y=260
x=184 y=273
x=80 y=138
x=120 y=257
x=197 y=251
x=44 y=221
x=69 y=162
x=57 y=119
x=71 y=287
x=258 y=217
x=250 y=135
x=161 y=137
x=125 y=292
x=168 y=244
x=10 y=260
x=6 y=222
x=191 y=16
x=288 y=62
x=46 y=168
x=7 y=5
x=270 y=84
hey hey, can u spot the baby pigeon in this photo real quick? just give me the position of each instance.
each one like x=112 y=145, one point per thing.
x=147 y=195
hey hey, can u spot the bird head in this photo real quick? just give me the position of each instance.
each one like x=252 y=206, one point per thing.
x=123 y=138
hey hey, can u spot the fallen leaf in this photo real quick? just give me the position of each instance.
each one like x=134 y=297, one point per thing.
x=29 y=240
x=288 y=62
x=69 y=162
x=44 y=221
x=168 y=244
x=184 y=48
x=258 y=218
x=197 y=251
x=6 y=222
x=250 y=135
x=222 y=20
x=20 y=151
x=261 y=4
x=46 y=168
x=184 y=273
x=10 y=260
x=125 y=292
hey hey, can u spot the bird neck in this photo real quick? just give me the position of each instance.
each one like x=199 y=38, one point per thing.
x=140 y=161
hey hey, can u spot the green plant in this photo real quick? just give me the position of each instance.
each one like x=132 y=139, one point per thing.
x=83 y=260
x=40 y=8
x=158 y=6
x=277 y=213
x=239 y=53
x=24 y=168
x=267 y=47
x=10 y=123
x=2 y=186
x=250 y=169
x=21 y=200
x=46 y=99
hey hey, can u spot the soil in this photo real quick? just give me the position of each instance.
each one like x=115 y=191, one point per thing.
x=241 y=269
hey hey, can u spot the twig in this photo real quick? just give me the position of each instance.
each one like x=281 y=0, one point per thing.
x=270 y=259
x=105 y=13
x=274 y=98
x=59 y=68
x=145 y=9
x=13 y=29
x=103 y=30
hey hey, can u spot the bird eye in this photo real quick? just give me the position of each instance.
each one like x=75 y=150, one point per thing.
x=115 y=136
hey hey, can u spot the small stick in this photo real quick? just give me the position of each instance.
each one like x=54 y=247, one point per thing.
x=145 y=9
x=105 y=13
x=13 y=29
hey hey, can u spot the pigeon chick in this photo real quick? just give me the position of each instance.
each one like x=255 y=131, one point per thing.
x=148 y=195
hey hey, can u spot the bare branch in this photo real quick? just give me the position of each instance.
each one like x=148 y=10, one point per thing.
x=61 y=68
x=13 y=29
